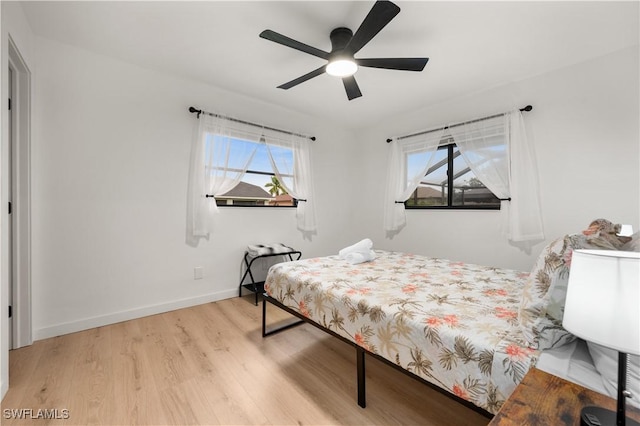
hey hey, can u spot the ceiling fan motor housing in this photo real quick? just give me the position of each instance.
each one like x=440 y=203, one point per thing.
x=340 y=37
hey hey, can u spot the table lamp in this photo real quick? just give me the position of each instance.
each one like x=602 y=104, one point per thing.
x=603 y=307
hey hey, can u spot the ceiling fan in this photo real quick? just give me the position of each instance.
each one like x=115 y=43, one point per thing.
x=344 y=45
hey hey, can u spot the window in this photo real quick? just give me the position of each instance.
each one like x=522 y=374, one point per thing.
x=450 y=183
x=259 y=187
x=496 y=151
x=223 y=149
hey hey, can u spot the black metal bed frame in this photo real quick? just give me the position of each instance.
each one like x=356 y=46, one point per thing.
x=360 y=355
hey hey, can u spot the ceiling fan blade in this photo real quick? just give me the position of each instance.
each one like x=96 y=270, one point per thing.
x=379 y=16
x=404 y=64
x=350 y=85
x=303 y=78
x=294 y=44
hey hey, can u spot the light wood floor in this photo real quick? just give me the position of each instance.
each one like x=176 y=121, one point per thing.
x=209 y=365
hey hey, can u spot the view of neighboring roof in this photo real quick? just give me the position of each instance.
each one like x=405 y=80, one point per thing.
x=428 y=192
x=282 y=200
x=247 y=190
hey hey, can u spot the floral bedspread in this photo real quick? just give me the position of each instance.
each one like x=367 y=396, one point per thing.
x=451 y=323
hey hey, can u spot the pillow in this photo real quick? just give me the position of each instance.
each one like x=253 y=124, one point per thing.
x=606 y=362
x=604 y=234
x=633 y=245
x=542 y=305
x=543 y=295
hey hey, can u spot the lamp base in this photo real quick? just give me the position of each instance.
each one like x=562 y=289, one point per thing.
x=598 y=416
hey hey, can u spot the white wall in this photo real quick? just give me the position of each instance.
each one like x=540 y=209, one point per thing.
x=585 y=126
x=110 y=164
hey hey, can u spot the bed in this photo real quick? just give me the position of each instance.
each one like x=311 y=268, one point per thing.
x=471 y=331
x=452 y=324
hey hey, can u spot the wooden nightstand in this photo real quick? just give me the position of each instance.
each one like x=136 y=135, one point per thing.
x=545 y=399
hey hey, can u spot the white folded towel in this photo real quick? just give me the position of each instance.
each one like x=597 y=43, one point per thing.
x=358 y=253
x=361 y=246
x=355 y=258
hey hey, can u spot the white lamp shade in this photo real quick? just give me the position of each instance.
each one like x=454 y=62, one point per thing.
x=603 y=299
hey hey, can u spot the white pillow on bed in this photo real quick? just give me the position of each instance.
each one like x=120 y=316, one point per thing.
x=606 y=363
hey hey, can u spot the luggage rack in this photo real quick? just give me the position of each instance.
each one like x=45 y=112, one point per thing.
x=257 y=287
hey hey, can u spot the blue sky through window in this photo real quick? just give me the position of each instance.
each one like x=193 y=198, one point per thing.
x=417 y=161
x=260 y=161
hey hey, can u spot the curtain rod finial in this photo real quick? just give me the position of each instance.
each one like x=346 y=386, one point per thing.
x=192 y=110
x=527 y=108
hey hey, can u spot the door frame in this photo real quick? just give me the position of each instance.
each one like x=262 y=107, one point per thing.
x=18 y=274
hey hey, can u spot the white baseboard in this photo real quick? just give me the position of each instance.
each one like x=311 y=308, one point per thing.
x=102 y=320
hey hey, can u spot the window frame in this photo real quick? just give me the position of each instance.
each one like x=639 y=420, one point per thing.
x=449 y=145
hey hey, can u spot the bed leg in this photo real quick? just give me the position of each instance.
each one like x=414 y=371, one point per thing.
x=266 y=333
x=362 y=397
x=264 y=317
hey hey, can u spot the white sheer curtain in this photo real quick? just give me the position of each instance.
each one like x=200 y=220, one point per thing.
x=498 y=152
x=290 y=157
x=484 y=148
x=218 y=163
x=525 y=212
x=409 y=161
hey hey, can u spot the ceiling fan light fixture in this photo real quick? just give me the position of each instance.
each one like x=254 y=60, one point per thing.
x=342 y=68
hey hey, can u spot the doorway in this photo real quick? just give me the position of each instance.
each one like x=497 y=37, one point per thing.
x=16 y=223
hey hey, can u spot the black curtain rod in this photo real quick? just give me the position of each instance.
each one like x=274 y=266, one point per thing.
x=525 y=109
x=199 y=111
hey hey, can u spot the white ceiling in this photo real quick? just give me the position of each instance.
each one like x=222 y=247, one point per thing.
x=472 y=46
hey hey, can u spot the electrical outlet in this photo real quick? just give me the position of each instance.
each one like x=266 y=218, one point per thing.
x=197 y=273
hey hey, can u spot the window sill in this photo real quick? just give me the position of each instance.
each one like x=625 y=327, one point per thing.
x=254 y=207
x=452 y=208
